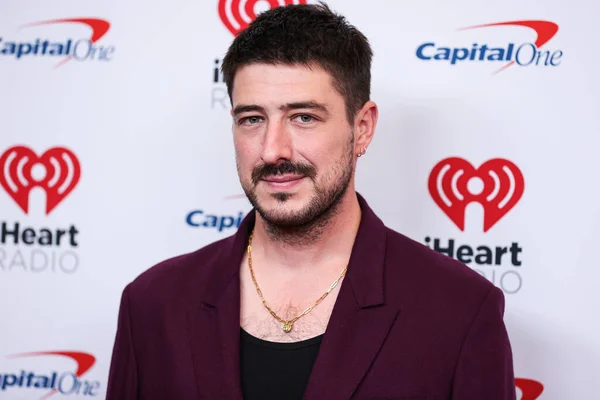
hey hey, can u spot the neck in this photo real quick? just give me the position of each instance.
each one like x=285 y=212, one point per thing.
x=328 y=240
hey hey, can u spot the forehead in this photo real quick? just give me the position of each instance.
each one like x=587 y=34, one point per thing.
x=282 y=83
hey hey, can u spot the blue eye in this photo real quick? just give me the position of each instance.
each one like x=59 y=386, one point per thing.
x=305 y=118
x=252 y=120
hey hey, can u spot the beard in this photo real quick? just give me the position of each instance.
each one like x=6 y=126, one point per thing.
x=321 y=206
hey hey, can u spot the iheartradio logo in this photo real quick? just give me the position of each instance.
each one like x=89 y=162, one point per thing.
x=497 y=185
x=57 y=171
x=238 y=14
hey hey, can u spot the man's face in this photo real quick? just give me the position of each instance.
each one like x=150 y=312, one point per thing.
x=294 y=146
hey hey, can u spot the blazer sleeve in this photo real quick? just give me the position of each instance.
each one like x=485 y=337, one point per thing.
x=122 y=377
x=485 y=365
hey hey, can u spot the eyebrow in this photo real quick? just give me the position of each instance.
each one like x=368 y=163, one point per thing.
x=313 y=105
x=242 y=108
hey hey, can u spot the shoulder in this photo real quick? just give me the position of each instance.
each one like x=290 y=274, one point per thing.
x=178 y=276
x=422 y=275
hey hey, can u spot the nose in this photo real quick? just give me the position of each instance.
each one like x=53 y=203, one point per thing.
x=277 y=143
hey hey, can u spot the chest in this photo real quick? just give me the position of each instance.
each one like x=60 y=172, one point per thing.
x=257 y=319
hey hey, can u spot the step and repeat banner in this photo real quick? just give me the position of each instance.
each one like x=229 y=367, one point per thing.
x=116 y=152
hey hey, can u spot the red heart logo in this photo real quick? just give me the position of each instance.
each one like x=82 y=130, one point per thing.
x=531 y=389
x=237 y=18
x=502 y=187
x=62 y=172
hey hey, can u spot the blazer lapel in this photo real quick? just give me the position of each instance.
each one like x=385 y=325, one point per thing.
x=214 y=341
x=360 y=321
x=214 y=323
x=348 y=348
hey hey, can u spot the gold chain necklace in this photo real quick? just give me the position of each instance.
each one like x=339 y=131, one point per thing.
x=287 y=324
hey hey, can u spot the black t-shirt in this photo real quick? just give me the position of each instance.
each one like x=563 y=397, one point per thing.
x=276 y=371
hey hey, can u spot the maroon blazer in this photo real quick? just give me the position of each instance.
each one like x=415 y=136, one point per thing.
x=408 y=323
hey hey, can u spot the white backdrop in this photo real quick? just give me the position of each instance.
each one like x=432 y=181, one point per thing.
x=140 y=129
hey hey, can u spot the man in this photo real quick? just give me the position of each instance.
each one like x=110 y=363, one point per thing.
x=313 y=298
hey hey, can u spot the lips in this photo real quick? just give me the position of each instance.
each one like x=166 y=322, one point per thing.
x=283 y=178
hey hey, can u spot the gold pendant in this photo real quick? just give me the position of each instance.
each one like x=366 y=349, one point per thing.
x=287 y=326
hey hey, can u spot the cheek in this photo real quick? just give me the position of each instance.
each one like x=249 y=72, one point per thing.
x=244 y=150
x=325 y=152
x=322 y=157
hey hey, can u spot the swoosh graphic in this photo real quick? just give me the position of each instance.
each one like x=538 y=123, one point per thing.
x=545 y=30
x=84 y=361
x=99 y=28
x=235 y=196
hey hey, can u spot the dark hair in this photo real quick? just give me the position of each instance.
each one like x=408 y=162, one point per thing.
x=306 y=35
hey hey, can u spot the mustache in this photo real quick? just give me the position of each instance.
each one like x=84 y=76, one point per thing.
x=285 y=167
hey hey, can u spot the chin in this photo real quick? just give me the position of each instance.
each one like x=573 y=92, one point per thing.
x=283 y=218
x=287 y=208
x=283 y=208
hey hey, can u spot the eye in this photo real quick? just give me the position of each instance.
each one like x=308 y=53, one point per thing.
x=305 y=118
x=251 y=120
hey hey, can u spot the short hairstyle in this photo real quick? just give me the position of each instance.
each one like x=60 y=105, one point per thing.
x=307 y=35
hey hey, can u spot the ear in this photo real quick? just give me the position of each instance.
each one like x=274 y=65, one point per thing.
x=364 y=127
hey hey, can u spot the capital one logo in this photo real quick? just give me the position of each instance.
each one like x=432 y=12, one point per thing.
x=69 y=48
x=57 y=172
x=238 y=14
x=64 y=383
x=497 y=185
